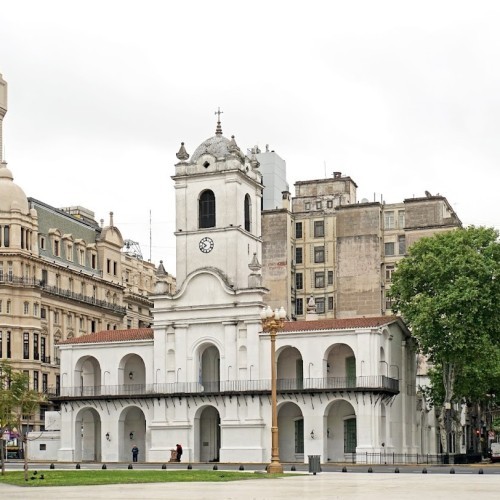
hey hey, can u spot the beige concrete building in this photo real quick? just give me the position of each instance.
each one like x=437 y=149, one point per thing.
x=62 y=275
x=339 y=251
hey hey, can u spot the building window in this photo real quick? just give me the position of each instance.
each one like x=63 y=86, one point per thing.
x=402 y=244
x=299 y=307
x=81 y=257
x=307 y=206
x=206 y=209
x=45 y=382
x=43 y=351
x=389 y=269
x=93 y=261
x=318 y=205
x=1 y=271
x=36 y=354
x=389 y=248
x=42 y=243
x=10 y=271
x=299 y=435
x=26 y=346
x=9 y=352
x=401 y=219
x=389 y=220
x=298 y=230
x=330 y=277
x=248 y=211
x=299 y=282
x=298 y=255
x=350 y=435
x=108 y=266
x=56 y=248
x=93 y=326
x=388 y=303
x=319 y=229
x=320 y=305
x=1 y=345
x=56 y=318
x=36 y=309
x=35 y=380
x=330 y=303
x=69 y=253
x=329 y=204
x=319 y=254
x=9 y=306
x=43 y=313
x=115 y=268
x=26 y=308
x=319 y=280
x=6 y=236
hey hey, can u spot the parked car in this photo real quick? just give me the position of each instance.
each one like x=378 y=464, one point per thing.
x=495 y=452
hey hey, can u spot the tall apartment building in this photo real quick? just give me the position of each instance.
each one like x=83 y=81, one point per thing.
x=62 y=275
x=339 y=251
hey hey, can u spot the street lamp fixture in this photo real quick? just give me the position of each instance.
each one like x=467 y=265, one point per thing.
x=272 y=323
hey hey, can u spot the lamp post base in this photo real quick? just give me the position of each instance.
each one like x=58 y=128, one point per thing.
x=274 y=468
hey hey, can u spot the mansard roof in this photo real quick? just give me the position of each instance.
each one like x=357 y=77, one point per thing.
x=106 y=336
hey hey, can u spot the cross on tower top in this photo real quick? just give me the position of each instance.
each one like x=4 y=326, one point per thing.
x=218 y=130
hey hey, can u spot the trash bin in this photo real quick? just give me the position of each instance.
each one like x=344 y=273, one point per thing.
x=314 y=465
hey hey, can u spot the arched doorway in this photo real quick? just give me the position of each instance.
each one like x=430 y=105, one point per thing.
x=341 y=431
x=132 y=428
x=132 y=374
x=291 y=432
x=207 y=434
x=88 y=436
x=341 y=366
x=290 y=370
x=210 y=369
x=87 y=376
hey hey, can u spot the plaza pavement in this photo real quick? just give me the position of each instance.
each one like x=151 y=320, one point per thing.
x=331 y=485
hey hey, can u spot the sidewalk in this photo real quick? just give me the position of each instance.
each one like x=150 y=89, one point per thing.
x=322 y=486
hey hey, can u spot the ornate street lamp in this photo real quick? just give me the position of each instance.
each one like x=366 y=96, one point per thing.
x=272 y=323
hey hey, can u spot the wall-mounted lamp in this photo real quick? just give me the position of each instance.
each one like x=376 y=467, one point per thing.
x=131 y=435
x=131 y=375
x=108 y=437
x=312 y=434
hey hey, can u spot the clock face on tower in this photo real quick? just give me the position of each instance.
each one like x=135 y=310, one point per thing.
x=206 y=244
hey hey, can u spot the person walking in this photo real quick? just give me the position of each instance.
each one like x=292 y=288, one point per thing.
x=135 y=453
x=178 y=448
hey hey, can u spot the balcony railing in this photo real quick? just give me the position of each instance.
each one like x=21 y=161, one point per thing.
x=376 y=383
x=60 y=292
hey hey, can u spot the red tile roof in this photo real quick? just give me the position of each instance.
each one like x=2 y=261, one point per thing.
x=112 y=336
x=338 y=324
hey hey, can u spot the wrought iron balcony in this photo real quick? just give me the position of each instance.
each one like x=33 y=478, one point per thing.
x=375 y=384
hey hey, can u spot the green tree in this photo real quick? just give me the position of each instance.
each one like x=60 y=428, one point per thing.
x=448 y=292
x=18 y=403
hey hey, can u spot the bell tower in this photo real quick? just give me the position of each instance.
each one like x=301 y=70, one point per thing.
x=218 y=193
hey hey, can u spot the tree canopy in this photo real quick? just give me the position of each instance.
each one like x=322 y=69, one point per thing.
x=17 y=401
x=447 y=289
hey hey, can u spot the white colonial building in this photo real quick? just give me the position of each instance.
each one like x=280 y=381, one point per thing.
x=201 y=376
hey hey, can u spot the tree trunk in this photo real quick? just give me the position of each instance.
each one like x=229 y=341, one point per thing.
x=25 y=453
x=3 y=446
x=445 y=417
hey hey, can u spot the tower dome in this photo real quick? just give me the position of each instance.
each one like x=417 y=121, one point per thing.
x=12 y=197
x=216 y=146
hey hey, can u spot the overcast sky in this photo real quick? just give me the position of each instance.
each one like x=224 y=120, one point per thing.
x=401 y=96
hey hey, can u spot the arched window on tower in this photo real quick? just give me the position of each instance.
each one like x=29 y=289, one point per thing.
x=248 y=213
x=207 y=209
